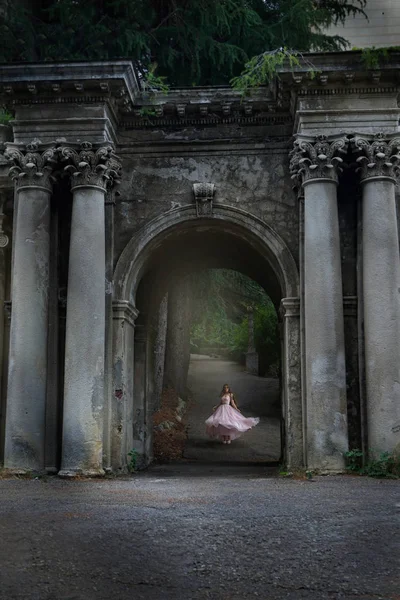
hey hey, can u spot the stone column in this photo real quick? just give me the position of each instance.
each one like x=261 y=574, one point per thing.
x=177 y=352
x=92 y=171
x=251 y=354
x=314 y=161
x=27 y=374
x=124 y=316
x=379 y=163
x=159 y=351
x=291 y=383
x=4 y=241
x=108 y=359
x=142 y=425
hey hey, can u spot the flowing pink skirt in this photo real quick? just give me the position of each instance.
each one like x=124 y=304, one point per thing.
x=228 y=421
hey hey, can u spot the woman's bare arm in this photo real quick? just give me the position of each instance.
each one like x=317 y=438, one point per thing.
x=234 y=403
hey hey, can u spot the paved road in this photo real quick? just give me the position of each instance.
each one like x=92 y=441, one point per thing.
x=196 y=531
x=200 y=533
x=257 y=397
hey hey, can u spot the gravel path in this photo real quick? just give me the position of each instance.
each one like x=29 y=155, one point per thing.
x=196 y=532
x=226 y=530
x=257 y=397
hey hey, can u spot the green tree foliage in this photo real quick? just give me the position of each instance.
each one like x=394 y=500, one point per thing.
x=221 y=298
x=193 y=42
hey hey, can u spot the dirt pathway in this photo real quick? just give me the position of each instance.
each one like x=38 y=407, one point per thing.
x=257 y=397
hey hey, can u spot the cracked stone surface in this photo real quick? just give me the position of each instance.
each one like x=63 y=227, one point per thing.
x=201 y=532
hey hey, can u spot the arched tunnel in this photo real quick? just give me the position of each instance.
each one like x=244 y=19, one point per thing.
x=160 y=267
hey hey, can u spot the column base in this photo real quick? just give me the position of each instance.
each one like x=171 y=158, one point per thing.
x=327 y=471
x=18 y=472
x=71 y=473
x=51 y=470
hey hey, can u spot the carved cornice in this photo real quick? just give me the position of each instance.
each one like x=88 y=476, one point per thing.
x=380 y=155
x=317 y=157
x=343 y=72
x=33 y=165
x=208 y=106
x=210 y=119
x=347 y=91
x=90 y=165
x=113 y=82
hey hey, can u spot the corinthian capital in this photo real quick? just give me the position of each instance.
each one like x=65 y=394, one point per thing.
x=380 y=155
x=32 y=165
x=317 y=157
x=91 y=166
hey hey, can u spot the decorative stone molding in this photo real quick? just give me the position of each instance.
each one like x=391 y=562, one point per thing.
x=114 y=83
x=90 y=166
x=247 y=115
x=203 y=195
x=317 y=158
x=380 y=155
x=127 y=273
x=33 y=165
x=290 y=307
x=123 y=310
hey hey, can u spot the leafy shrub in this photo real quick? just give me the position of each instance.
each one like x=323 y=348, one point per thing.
x=5 y=116
x=132 y=460
x=378 y=464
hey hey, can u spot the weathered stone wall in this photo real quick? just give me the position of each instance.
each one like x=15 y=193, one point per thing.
x=248 y=167
x=241 y=147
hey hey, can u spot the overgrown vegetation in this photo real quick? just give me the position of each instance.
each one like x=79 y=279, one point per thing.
x=373 y=58
x=132 y=462
x=377 y=464
x=221 y=300
x=169 y=431
x=5 y=116
x=192 y=42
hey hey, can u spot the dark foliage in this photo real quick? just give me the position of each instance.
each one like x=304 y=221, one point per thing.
x=193 y=42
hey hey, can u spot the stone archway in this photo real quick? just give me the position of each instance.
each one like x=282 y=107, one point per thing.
x=129 y=427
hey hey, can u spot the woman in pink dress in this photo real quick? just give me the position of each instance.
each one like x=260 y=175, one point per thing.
x=227 y=423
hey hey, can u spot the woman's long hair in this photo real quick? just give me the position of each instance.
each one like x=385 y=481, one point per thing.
x=223 y=390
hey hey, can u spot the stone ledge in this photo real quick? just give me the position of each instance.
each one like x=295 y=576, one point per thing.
x=32 y=83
